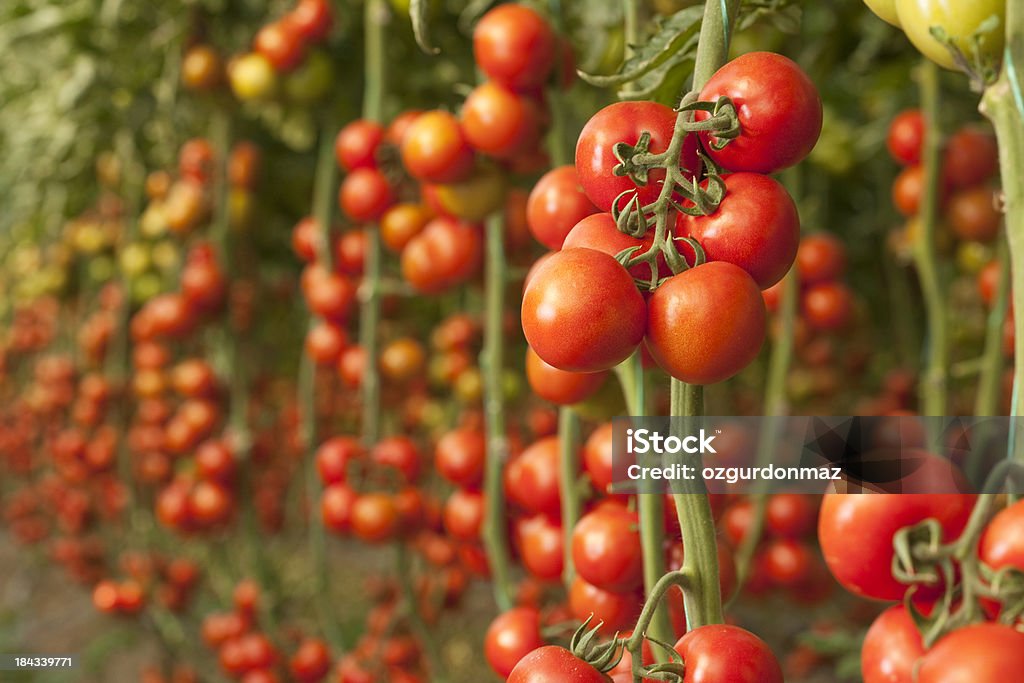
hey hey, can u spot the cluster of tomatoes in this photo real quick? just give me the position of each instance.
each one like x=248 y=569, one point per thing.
x=170 y=581
x=749 y=241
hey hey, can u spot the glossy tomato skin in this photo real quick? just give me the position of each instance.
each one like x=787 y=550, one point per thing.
x=892 y=648
x=553 y=664
x=510 y=637
x=971 y=157
x=756 y=227
x=779 y=112
x=827 y=306
x=582 y=312
x=625 y=122
x=1002 y=544
x=960 y=21
x=282 y=45
x=556 y=204
x=820 y=257
x=618 y=611
x=606 y=548
x=906 y=137
x=598 y=231
x=515 y=46
x=540 y=544
x=445 y=253
x=560 y=386
x=435 y=149
x=720 y=653
x=531 y=479
x=973 y=215
x=357 y=144
x=980 y=653
x=499 y=122
x=706 y=323
x=460 y=455
x=856 y=532
x=365 y=195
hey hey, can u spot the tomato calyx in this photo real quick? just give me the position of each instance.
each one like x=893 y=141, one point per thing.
x=981 y=70
x=602 y=657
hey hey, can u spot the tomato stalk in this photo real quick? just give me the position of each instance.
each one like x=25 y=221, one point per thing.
x=989 y=381
x=934 y=377
x=1003 y=104
x=569 y=483
x=495 y=534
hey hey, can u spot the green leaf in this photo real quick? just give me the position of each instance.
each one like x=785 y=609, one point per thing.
x=674 y=36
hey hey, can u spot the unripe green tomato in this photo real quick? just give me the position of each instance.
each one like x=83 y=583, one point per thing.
x=475 y=198
x=88 y=238
x=145 y=287
x=311 y=80
x=960 y=19
x=603 y=404
x=432 y=414
x=153 y=222
x=511 y=385
x=135 y=259
x=469 y=385
x=884 y=10
x=241 y=208
x=100 y=269
x=166 y=256
x=971 y=257
x=253 y=78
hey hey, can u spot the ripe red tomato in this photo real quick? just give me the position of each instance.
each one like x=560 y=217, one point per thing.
x=828 y=306
x=374 y=517
x=906 y=137
x=464 y=515
x=791 y=515
x=720 y=653
x=445 y=253
x=988 y=283
x=553 y=664
x=531 y=478
x=756 y=227
x=560 y=386
x=582 y=312
x=399 y=453
x=980 y=653
x=597 y=457
x=312 y=19
x=971 y=158
x=365 y=195
x=598 y=231
x=820 y=257
x=618 y=611
x=510 y=637
x=281 y=43
x=515 y=46
x=1002 y=544
x=435 y=149
x=787 y=562
x=706 y=323
x=328 y=295
x=892 y=648
x=499 y=122
x=907 y=189
x=311 y=661
x=196 y=160
x=333 y=457
x=460 y=455
x=202 y=68
x=324 y=343
x=357 y=144
x=606 y=549
x=336 y=506
x=556 y=204
x=973 y=215
x=540 y=542
x=401 y=223
x=625 y=122
x=856 y=532
x=779 y=112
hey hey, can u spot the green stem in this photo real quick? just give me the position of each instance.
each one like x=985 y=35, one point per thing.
x=990 y=379
x=569 y=483
x=934 y=378
x=403 y=563
x=1003 y=104
x=495 y=534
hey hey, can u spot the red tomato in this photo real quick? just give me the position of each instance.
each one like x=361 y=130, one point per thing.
x=1002 y=544
x=618 y=611
x=856 y=532
x=447 y=252
x=365 y=195
x=606 y=549
x=625 y=122
x=540 y=542
x=756 y=227
x=560 y=386
x=971 y=158
x=435 y=149
x=988 y=283
x=401 y=223
x=464 y=515
x=791 y=515
x=531 y=479
x=892 y=648
x=706 y=323
x=556 y=204
x=597 y=457
x=196 y=160
x=374 y=517
x=328 y=294
x=980 y=653
x=720 y=653
x=510 y=637
x=357 y=144
x=336 y=506
x=553 y=664
x=828 y=306
x=779 y=112
x=499 y=122
x=460 y=455
x=819 y=258
x=787 y=562
x=907 y=189
x=599 y=232
x=973 y=215
x=281 y=43
x=582 y=312
x=311 y=661
x=333 y=457
x=312 y=19
x=515 y=46
x=399 y=453
x=906 y=137
x=400 y=125
x=324 y=343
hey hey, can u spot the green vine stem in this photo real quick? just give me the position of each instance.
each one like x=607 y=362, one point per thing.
x=495 y=532
x=934 y=377
x=1003 y=104
x=650 y=505
x=990 y=379
x=569 y=483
